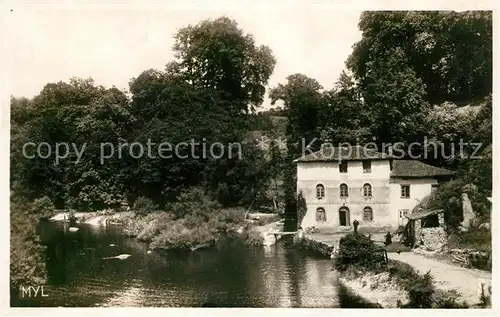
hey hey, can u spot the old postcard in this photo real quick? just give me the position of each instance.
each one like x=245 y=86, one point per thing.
x=248 y=155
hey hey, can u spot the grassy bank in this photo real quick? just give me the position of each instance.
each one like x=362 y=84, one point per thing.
x=163 y=231
x=194 y=221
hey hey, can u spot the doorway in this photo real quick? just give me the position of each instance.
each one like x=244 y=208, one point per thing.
x=344 y=216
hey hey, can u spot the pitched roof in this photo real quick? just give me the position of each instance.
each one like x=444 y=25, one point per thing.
x=413 y=168
x=423 y=214
x=348 y=153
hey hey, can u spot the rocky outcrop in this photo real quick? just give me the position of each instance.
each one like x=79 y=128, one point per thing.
x=468 y=213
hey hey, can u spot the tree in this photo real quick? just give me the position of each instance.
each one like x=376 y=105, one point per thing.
x=77 y=113
x=343 y=116
x=451 y=52
x=217 y=54
x=302 y=100
x=396 y=98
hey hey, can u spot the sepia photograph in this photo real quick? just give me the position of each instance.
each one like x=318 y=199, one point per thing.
x=224 y=155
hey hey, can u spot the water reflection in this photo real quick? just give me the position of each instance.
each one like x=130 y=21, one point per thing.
x=229 y=275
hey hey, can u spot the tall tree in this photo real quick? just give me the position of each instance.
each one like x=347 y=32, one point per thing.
x=344 y=117
x=302 y=101
x=217 y=54
x=396 y=98
x=450 y=51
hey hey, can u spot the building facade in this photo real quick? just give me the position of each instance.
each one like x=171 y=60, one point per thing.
x=346 y=184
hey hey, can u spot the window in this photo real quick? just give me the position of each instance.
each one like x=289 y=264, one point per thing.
x=367 y=166
x=403 y=212
x=367 y=190
x=434 y=187
x=320 y=191
x=320 y=214
x=405 y=191
x=343 y=167
x=367 y=214
x=344 y=191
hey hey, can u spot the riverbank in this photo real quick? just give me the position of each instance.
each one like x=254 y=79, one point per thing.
x=162 y=231
x=469 y=284
x=376 y=289
x=400 y=284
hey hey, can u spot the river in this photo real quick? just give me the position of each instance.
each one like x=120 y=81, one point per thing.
x=228 y=275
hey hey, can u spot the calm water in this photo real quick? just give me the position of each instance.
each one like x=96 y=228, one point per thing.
x=230 y=275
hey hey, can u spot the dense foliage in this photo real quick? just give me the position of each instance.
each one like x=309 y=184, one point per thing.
x=27 y=265
x=400 y=80
x=191 y=101
x=194 y=221
x=358 y=249
x=415 y=76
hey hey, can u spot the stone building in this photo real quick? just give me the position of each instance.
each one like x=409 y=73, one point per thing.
x=343 y=184
x=426 y=229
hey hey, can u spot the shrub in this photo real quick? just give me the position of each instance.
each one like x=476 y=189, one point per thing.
x=420 y=288
x=27 y=260
x=485 y=298
x=447 y=299
x=421 y=291
x=42 y=207
x=144 y=206
x=357 y=249
x=301 y=208
x=179 y=237
x=194 y=202
x=253 y=237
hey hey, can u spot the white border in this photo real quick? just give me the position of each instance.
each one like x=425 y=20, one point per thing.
x=7 y=29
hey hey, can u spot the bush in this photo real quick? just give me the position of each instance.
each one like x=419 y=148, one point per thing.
x=421 y=291
x=420 y=288
x=301 y=208
x=357 y=249
x=179 y=237
x=27 y=262
x=447 y=299
x=42 y=207
x=144 y=206
x=253 y=237
x=194 y=202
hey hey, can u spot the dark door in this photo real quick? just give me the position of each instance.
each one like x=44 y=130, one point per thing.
x=344 y=216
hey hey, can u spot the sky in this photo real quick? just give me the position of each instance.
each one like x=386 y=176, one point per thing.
x=113 y=46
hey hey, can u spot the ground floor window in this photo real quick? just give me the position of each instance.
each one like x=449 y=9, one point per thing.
x=367 y=214
x=320 y=214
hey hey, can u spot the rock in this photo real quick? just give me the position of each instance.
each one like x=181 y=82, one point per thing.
x=485 y=226
x=240 y=230
x=73 y=229
x=269 y=239
x=149 y=252
x=119 y=257
x=468 y=213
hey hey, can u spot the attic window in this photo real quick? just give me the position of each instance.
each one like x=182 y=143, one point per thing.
x=405 y=191
x=367 y=166
x=343 y=167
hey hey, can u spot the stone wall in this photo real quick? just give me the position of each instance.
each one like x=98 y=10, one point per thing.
x=431 y=238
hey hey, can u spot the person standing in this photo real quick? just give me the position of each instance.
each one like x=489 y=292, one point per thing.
x=355 y=224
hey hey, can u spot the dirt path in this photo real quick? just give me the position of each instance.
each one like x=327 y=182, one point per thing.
x=466 y=282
